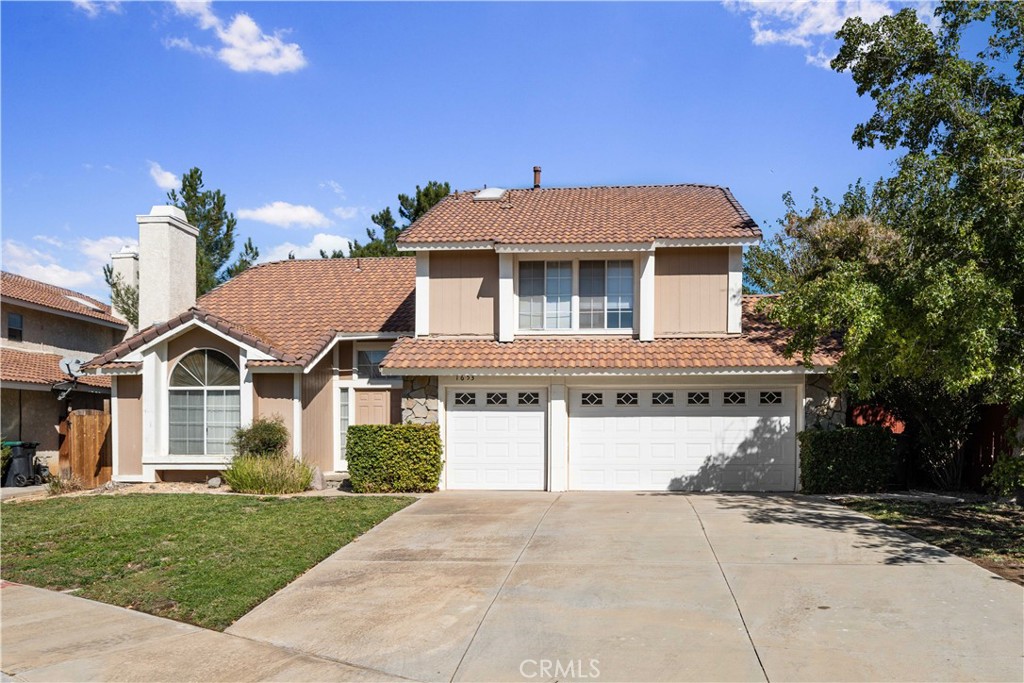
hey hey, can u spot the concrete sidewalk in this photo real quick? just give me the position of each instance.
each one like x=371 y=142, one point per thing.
x=49 y=636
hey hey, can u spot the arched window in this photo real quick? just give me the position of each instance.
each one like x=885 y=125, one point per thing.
x=204 y=402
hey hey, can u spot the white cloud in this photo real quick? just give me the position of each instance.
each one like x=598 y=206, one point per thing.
x=346 y=212
x=165 y=180
x=244 y=45
x=286 y=215
x=76 y=265
x=312 y=250
x=334 y=186
x=809 y=25
x=93 y=8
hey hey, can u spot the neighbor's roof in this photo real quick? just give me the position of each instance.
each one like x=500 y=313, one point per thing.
x=292 y=309
x=759 y=346
x=574 y=215
x=20 y=288
x=39 y=368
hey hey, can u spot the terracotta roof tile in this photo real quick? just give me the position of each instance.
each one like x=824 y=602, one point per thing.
x=587 y=215
x=760 y=345
x=51 y=296
x=39 y=368
x=291 y=309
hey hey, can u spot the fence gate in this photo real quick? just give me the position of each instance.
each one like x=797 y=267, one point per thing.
x=85 y=450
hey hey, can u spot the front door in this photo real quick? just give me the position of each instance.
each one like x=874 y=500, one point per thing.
x=373 y=407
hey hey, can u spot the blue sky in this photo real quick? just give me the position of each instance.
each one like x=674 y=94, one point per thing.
x=311 y=116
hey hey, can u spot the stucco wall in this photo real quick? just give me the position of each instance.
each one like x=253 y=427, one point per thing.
x=129 y=425
x=419 y=400
x=318 y=415
x=48 y=331
x=691 y=290
x=823 y=407
x=273 y=396
x=463 y=292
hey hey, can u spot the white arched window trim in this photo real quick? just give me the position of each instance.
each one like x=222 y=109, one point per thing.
x=204 y=403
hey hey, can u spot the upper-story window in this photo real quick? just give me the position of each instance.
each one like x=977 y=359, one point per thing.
x=15 y=326
x=604 y=291
x=368 y=363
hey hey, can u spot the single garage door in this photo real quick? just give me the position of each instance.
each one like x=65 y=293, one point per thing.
x=495 y=439
x=682 y=439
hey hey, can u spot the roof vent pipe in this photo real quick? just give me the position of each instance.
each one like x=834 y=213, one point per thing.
x=536 y=177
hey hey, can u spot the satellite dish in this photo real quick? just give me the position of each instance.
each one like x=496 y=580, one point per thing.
x=72 y=365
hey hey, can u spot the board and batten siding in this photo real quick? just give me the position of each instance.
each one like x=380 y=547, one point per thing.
x=273 y=396
x=463 y=293
x=691 y=290
x=318 y=415
x=129 y=425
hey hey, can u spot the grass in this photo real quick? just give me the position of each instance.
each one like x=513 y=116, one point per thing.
x=988 y=534
x=202 y=559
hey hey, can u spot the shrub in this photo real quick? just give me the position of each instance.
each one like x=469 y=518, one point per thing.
x=5 y=459
x=1007 y=476
x=265 y=436
x=847 y=460
x=65 y=482
x=268 y=474
x=394 y=458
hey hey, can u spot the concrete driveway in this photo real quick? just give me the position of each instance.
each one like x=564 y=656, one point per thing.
x=613 y=587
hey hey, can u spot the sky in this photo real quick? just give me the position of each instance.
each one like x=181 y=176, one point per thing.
x=312 y=116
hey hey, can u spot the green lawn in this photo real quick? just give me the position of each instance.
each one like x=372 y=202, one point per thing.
x=987 y=534
x=203 y=559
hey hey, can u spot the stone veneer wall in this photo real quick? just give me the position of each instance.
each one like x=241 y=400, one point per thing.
x=419 y=400
x=822 y=407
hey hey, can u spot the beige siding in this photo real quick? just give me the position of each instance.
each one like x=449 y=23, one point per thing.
x=345 y=359
x=463 y=293
x=198 y=338
x=318 y=415
x=691 y=290
x=129 y=425
x=273 y=395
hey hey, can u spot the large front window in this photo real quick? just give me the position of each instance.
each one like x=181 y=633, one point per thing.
x=603 y=289
x=368 y=363
x=204 y=404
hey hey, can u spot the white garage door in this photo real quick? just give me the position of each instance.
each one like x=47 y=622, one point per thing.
x=682 y=439
x=494 y=439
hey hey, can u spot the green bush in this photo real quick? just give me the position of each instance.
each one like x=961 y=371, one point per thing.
x=265 y=436
x=394 y=458
x=268 y=474
x=847 y=460
x=5 y=459
x=1007 y=475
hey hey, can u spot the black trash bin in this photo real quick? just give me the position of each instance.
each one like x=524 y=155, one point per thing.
x=20 y=469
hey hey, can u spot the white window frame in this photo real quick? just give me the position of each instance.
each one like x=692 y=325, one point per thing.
x=574 y=328
x=359 y=380
x=206 y=397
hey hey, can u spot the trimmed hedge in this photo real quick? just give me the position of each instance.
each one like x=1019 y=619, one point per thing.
x=847 y=460
x=394 y=458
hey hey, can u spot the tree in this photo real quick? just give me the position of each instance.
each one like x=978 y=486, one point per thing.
x=124 y=298
x=333 y=253
x=205 y=210
x=409 y=209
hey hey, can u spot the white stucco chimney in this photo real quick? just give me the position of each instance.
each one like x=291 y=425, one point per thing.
x=125 y=264
x=167 y=264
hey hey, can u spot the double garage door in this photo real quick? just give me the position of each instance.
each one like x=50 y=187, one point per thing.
x=735 y=439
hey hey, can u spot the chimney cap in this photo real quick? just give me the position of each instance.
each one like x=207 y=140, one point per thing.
x=536 y=177
x=168 y=210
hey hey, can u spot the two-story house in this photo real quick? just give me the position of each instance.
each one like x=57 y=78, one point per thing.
x=563 y=339
x=43 y=328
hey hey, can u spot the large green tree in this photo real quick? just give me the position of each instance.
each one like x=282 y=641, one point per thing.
x=206 y=211
x=410 y=208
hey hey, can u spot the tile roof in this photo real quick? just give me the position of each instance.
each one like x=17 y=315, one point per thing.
x=760 y=346
x=39 y=368
x=586 y=215
x=291 y=309
x=39 y=293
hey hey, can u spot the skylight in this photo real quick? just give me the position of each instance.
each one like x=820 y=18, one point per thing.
x=489 y=194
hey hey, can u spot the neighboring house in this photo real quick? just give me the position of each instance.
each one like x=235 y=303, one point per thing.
x=563 y=339
x=44 y=327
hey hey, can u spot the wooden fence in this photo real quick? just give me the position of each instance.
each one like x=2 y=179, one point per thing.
x=85 y=447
